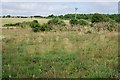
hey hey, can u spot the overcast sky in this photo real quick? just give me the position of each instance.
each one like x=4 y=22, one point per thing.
x=60 y=0
x=56 y=8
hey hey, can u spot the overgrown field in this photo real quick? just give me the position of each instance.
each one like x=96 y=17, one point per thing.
x=61 y=54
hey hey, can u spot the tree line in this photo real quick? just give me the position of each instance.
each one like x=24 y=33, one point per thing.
x=115 y=17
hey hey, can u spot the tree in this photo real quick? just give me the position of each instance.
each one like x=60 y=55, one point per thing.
x=8 y=16
x=51 y=16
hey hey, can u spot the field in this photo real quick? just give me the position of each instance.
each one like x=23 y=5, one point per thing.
x=15 y=20
x=61 y=54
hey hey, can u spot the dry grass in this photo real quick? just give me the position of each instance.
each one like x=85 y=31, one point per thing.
x=15 y=20
x=59 y=54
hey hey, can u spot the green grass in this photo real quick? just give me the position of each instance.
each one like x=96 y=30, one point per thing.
x=68 y=54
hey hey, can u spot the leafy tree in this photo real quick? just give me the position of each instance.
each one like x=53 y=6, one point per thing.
x=3 y=16
x=52 y=16
x=61 y=16
x=8 y=16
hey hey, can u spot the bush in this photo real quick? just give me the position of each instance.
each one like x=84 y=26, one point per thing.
x=73 y=22
x=35 y=26
x=10 y=24
x=35 y=21
x=56 y=21
x=82 y=22
x=25 y=24
x=99 y=18
x=110 y=26
x=45 y=27
x=61 y=23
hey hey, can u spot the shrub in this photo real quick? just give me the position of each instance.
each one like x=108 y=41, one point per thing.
x=10 y=24
x=56 y=21
x=45 y=27
x=25 y=24
x=82 y=22
x=61 y=23
x=73 y=22
x=35 y=21
x=99 y=18
x=35 y=26
x=17 y=24
x=110 y=26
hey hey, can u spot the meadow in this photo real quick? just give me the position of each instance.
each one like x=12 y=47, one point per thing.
x=61 y=54
x=15 y=20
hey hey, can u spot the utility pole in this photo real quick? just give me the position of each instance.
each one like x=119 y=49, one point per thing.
x=76 y=12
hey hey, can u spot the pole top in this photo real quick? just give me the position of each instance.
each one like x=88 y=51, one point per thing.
x=76 y=8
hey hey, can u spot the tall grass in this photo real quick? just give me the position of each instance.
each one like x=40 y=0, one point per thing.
x=16 y=20
x=69 y=54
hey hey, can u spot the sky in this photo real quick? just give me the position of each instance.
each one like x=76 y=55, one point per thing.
x=27 y=8
x=60 y=0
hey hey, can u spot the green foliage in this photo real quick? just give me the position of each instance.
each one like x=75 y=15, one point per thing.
x=45 y=27
x=112 y=26
x=115 y=17
x=99 y=18
x=8 y=16
x=35 y=26
x=15 y=24
x=35 y=21
x=73 y=22
x=56 y=21
x=20 y=24
x=71 y=55
x=25 y=24
x=83 y=22
x=52 y=16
